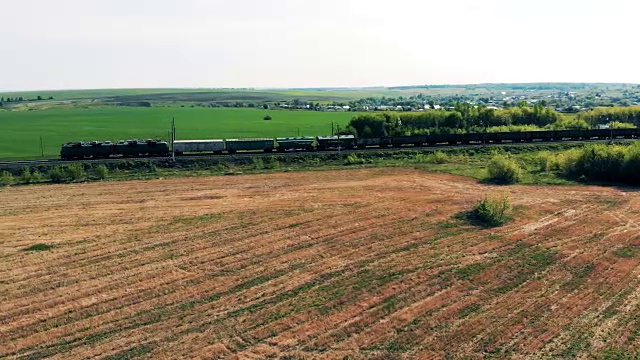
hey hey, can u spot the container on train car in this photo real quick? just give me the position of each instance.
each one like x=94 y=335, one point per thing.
x=416 y=140
x=611 y=133
x=295 y=143
x=568 y=134
x=333 y=142
x=264 y=144
x=215 y=146
x=379 y=141
x=451 y=139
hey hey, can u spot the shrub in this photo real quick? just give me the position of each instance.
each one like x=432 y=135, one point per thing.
x=39 y=247
x=101 y=172
x=36 y=176
x=257 y=163
x=354 y=159
x=595 y=162
x=492 y=211
x=267 y=117
x=57 y=174
x=503 y=170
x=75 y=171
x=65 y=173
x=7 y=179
x=631 y=167
x=439 y=157
x=25 y=176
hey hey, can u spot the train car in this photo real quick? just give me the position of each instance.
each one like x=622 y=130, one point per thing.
x=333 y=142
x=512 y=136
x=415 y=140
x=82 y=150
x=235 y=145
x=377 y=142
x=215 y=146
x=623 y=133
x=142 y=148
x=295 y=143
x=451 y=139
x=569 y=134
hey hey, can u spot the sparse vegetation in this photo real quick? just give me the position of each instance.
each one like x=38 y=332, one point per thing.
x=314 y=261
x=492 y=211
x=354 y=159
x=101 y=172
x=67 y=173
x=7 y=179
x=39 y=247
x=609 y=163
x=503 y=170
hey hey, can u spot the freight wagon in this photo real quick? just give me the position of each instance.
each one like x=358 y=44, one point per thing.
x=295 y=143
x=198 y=146
x=96 y=149
x=334 y=142
x=234 y=145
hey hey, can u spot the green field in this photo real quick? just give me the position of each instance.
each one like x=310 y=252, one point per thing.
x=315 y=95
x=21 y=131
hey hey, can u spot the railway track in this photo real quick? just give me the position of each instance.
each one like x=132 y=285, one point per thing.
x=38 y=162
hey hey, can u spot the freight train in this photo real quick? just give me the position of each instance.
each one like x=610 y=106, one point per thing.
x=143 y=148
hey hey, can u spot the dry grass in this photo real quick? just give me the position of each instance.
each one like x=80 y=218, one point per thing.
x=361 y=263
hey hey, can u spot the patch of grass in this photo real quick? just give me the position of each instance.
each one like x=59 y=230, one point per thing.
x=199 y=219
x=524 y=265
x=489 y=212
x=39 y=247
x=468 y=310
x=131 y=353
x=626 y=252
x=468 y=271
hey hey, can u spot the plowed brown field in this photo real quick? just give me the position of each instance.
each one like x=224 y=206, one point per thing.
x=356 y=264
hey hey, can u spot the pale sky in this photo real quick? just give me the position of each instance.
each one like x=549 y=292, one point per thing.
x=81 y=44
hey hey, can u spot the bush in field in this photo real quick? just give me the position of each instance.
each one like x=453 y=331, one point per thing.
x=257 y=163
x=595 y=162
x=492 y=211
x=36 y=176
x=438 y=157
x=76 y=172
x=25 y=176
x=502 y=170
x=66 y=173
x=57 y=174
x=6 y=179
x=631 y=166
x=101 y=172
x=354 y=159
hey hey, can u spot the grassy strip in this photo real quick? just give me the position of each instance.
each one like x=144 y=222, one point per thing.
x=470 y=162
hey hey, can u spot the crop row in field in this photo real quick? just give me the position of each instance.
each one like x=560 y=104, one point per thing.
x=364 y=264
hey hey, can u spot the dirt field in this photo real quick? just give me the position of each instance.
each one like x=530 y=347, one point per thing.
x=328 y=265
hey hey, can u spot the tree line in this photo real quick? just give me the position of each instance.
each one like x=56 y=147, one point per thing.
x=464 y=118
x=17 y=99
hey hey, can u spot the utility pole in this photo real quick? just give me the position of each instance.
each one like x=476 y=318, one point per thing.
x=173 y=139
x=611 y=128
x=338 y=128
x=41 y=147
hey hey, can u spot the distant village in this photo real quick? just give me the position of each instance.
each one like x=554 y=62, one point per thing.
x=566 y=102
